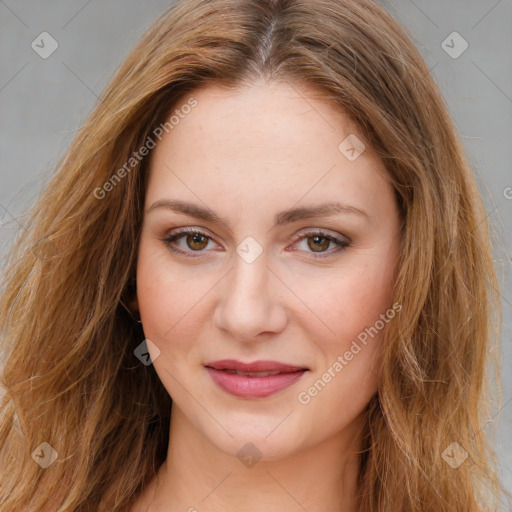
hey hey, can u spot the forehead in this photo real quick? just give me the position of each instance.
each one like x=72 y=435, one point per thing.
x=267 y=140
x=278 y=116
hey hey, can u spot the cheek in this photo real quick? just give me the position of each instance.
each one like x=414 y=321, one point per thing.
x=352 y=300
x=356 y=307
x=169 y=301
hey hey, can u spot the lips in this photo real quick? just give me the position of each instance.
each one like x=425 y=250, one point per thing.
x=258 y=379
x=255 y=367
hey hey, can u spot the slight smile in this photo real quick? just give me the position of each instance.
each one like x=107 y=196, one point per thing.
x=258 y=379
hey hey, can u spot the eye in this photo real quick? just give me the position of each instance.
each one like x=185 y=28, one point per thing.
x=319 y=241
x=195 y=241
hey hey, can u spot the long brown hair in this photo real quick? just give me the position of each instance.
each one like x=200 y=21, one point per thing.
x=70 y=375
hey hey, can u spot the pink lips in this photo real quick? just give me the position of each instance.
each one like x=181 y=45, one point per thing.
x=224 y=374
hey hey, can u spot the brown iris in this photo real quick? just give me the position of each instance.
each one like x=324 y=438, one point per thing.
x=196 y=241
x=316 y=245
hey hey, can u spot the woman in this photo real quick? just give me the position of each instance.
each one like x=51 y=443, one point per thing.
x=249 y=224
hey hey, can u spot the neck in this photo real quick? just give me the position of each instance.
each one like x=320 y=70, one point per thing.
x=198 y=476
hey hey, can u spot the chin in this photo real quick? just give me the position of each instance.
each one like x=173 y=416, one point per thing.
x=251 y=449
x=257 y=438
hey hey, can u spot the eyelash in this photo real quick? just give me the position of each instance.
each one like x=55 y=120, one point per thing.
x=342 y=244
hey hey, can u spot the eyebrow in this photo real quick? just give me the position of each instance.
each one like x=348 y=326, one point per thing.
x=280 y=219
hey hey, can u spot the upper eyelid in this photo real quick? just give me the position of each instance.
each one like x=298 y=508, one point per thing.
x=324 y=231
x=299 y=233
x=190 y=230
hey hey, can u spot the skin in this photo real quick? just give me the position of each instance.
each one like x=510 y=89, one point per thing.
x=247 y=155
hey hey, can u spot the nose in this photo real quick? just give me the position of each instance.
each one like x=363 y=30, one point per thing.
x=249 y=305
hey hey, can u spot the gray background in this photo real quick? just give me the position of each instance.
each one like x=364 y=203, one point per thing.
x=44 y=101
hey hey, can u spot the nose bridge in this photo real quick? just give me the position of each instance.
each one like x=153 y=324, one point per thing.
x=249 y=282
x=248 y=304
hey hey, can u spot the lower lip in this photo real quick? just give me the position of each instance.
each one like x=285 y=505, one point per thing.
x=253 y=387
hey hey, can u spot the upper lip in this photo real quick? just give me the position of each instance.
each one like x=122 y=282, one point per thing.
x=255 y=366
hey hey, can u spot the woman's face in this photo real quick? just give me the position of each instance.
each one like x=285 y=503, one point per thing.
x=268 y=271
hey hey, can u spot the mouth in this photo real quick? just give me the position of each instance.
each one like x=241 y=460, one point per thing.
x=253 y=380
